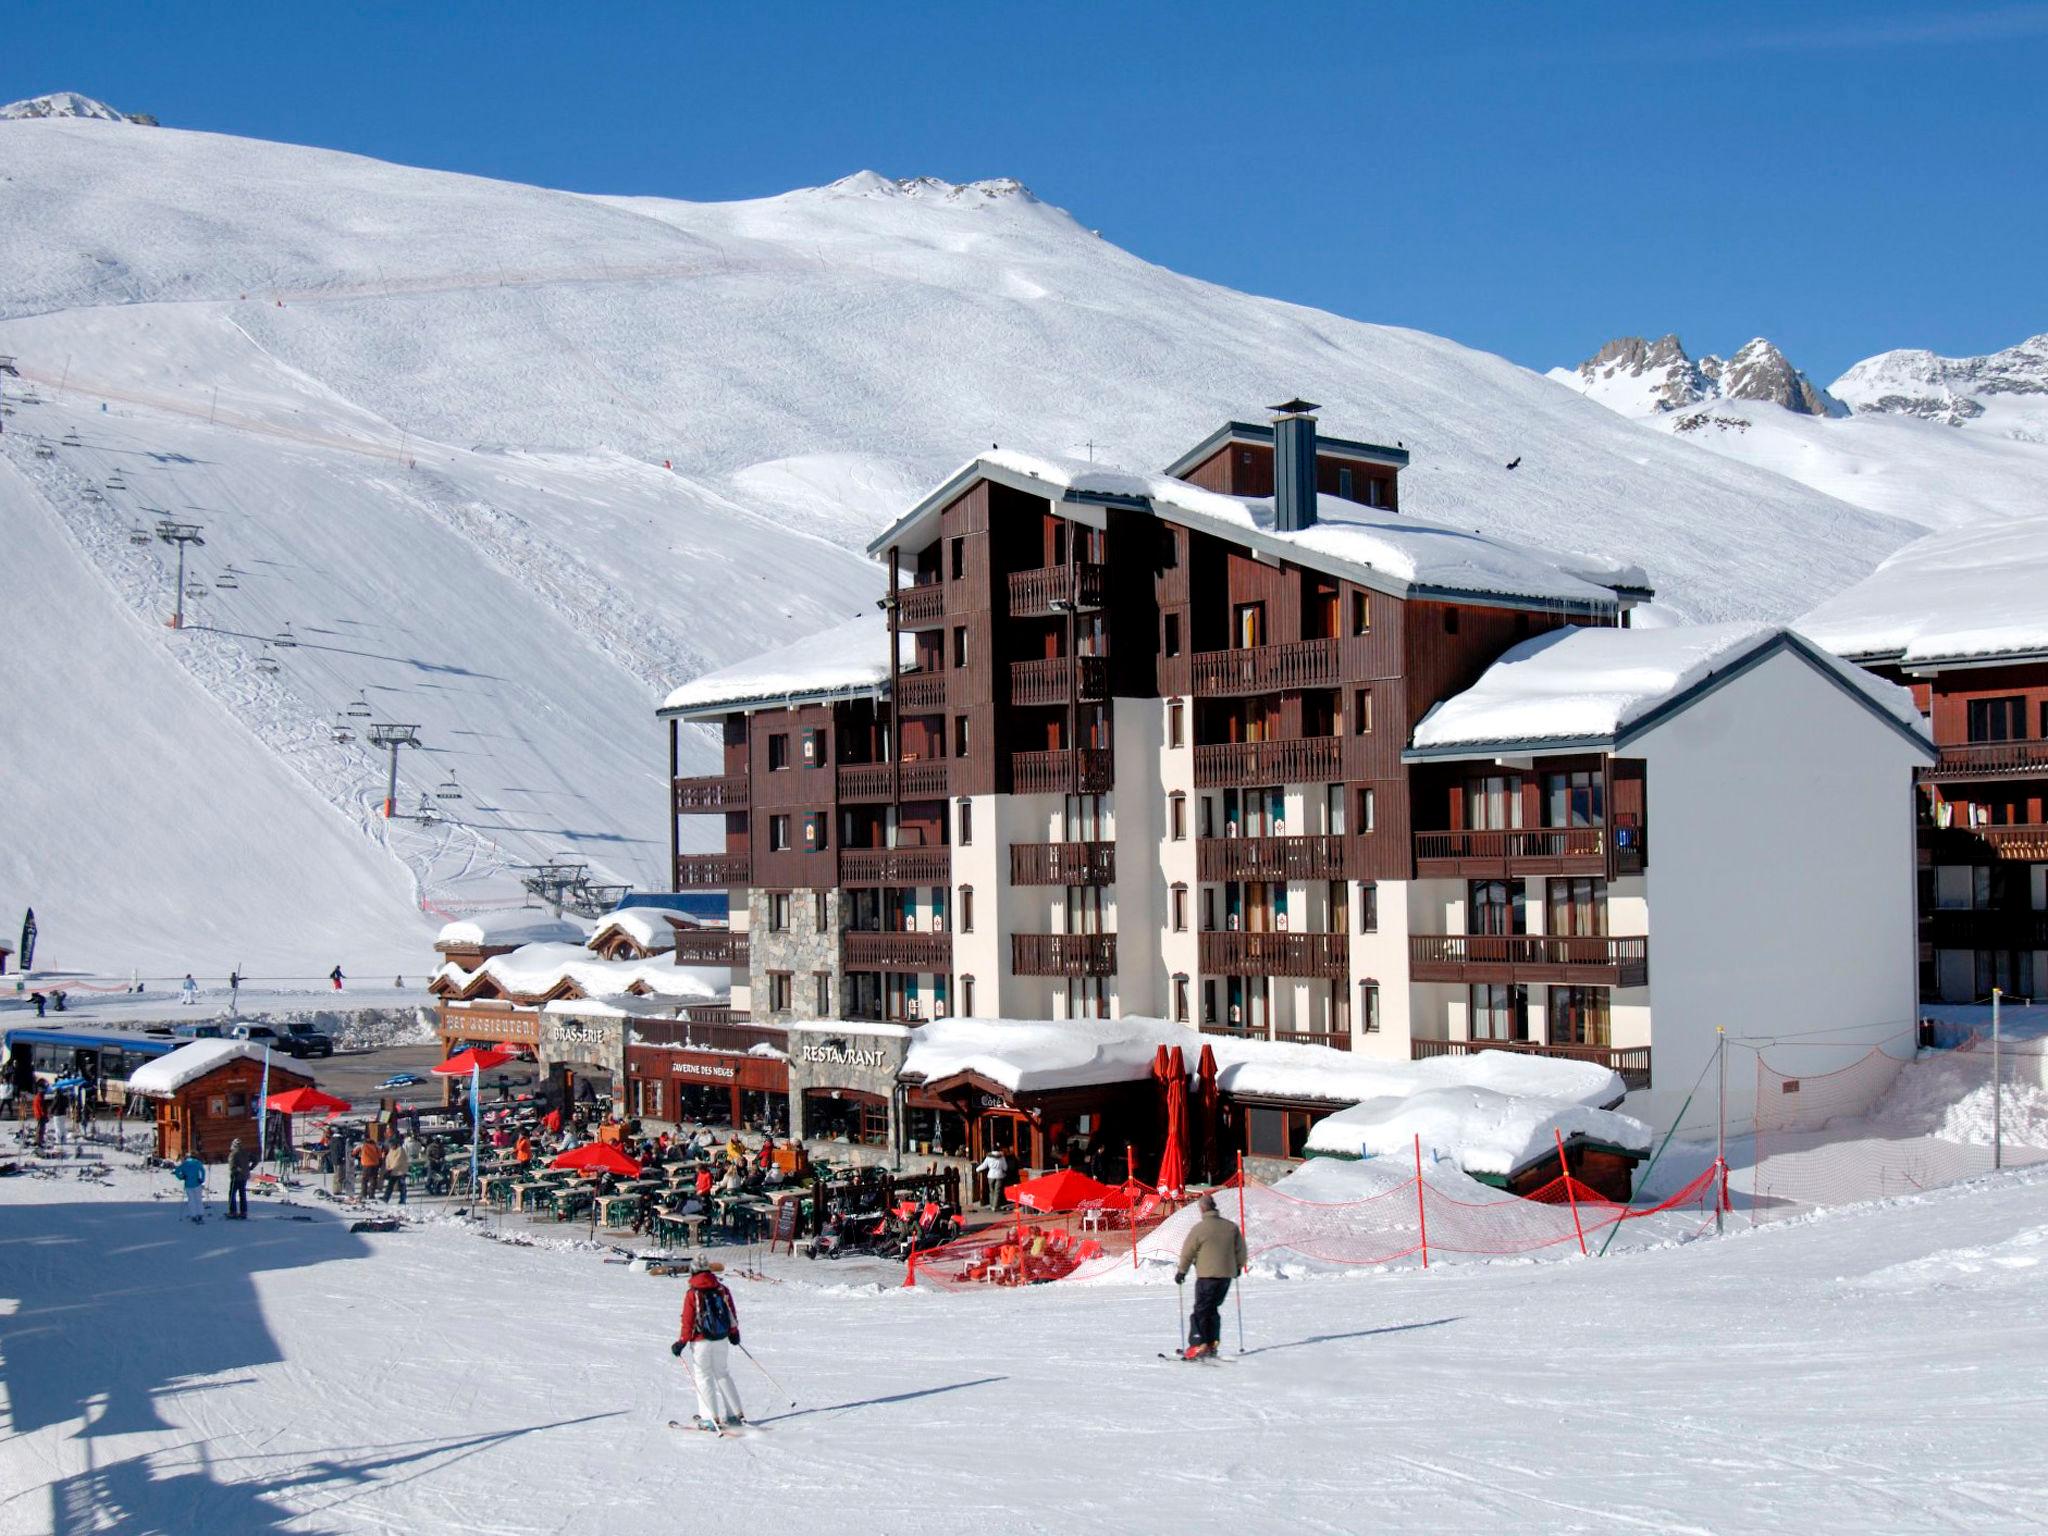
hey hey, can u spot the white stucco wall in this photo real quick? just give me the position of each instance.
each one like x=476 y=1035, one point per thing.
x=983 y=866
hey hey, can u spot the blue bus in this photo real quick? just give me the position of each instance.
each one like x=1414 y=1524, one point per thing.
x=106 y=1056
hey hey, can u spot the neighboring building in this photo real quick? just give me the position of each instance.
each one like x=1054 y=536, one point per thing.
x=1123 y=745
x=1960 y=619
x=208 y=1094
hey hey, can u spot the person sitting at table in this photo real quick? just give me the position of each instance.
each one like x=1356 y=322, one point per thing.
x=734 y=1181
x=736 y=1150
x=522 y=1151
x=703 y=1182
x=694 y=1205
x=437 y=1167
x=774 y=1178
x=643 y=1211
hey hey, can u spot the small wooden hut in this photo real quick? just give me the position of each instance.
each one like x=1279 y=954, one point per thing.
x=207 y=1094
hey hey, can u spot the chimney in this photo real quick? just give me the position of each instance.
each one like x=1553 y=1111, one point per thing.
x=1294 y=465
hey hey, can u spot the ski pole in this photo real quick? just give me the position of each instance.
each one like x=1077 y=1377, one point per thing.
x=778 y=1386
x=1180 y=1309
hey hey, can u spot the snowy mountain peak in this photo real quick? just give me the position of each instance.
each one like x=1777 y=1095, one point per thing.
x=69 y=104
x=875 y=184
x=1644 y=378
x=1950 y=390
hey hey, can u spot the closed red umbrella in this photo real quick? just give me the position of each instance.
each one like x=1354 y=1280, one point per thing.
x=1173 y=1163
x=304 y=1101
x=1209 y=1101
x=597 y=1157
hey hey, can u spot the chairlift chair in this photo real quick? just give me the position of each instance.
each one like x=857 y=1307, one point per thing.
x=45 y=451
x=285 y=639
x=427 y=813
x=267 y=663
x=342 y=733
x=139 y=535
x=359 y=708
x=92 y=493
x=227 y=580
x=196 y=589
x=449 y=791
x=71 y=440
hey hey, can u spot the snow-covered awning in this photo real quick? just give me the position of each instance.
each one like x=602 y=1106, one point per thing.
x=164 y=1076
x=1960 y=596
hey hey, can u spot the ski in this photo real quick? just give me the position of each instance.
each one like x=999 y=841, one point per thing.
x=723 y=1431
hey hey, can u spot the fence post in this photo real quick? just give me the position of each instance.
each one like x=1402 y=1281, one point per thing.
x=1564 y=1169
x=1421 y=1212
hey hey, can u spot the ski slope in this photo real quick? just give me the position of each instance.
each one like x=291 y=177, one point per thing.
x=513 y=462
x=1874 y=1368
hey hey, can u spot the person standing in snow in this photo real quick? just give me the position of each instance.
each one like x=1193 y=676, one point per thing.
x=336 y=977
x=1214 y=1250
x=710 y=1332
x=188 y=991
x=370 y=1158
x=235 y=993
x=997 y=1167
x=239 y=1164
x=41 y=1110
x=396 y=1162
x=191 y=1173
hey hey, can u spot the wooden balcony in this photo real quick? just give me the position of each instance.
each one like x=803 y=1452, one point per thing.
x=1055 y=589
x=712 y=871
x=920 y=607
x=1538 y=958
x=895 y=866
x=869 y=783
x=2026 y=843
x=711 y=946
x=1272 y=858
x=1268 y=668
x=1082 y=771
x=1238 y=764
x=714 y=792
x=1056 y=679
x=710 y=1028
x=899 y=952
x=1062 y=863
x=920 y=693
x=1632 y=1062
x=1063 y=954
x=1238 y=953
x=1497 y=855
x=1988 y=760
x=1988 y=928
x=1331 y=1041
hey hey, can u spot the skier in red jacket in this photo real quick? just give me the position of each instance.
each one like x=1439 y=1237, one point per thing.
x=710 y=1330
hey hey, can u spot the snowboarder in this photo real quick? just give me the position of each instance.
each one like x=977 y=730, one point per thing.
x=41 y=1003
x=57 y=997
x=239 y=1164
x=1214 y=1250
x=192 y=1174
x=188 y=991
x=336 y=977
x=711 y=1331
x=997 y=1167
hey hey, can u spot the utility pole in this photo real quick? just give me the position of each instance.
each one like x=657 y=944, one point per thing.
x=392 y=737
x=1997 y=1119
x=1721 y=1136
x=180 y=534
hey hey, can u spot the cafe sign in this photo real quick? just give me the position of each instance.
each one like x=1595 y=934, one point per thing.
x=580 y=1034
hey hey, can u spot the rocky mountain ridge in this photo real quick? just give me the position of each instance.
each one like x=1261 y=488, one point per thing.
x=1645 y=378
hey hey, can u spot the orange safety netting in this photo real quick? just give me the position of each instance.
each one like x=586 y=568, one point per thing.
x=1412 y=1219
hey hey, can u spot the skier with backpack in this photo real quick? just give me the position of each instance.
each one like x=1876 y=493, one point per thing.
x=710 y=1332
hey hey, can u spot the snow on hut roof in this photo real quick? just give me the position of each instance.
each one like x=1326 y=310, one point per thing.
x=649 y=927
x=534 y=969
x=1482 y=1130
x=1592 y=686
x=1958 y=595
x=848 y=658
x=519 y=926
x=187 y=1064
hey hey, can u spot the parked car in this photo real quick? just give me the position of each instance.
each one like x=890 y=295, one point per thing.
x=402 y=1080
x=258 y=1034
x=303 y=1040
x=197 y=1032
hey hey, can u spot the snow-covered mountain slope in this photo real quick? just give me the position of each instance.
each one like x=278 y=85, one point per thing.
x=426 y=417
x=68 y=104
x=1645 y=378
x=2002 y=394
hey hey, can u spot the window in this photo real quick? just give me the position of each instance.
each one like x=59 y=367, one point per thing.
x=967 y=909
x=1180 y=909
x=822 y=998
x=1450 y=621
x=1499 y=1012
x=1177 y=817
x=779 y=991
x=817 y=831
x=959 y=645
x=1493 y=803
x=1338 y=897
x=1998 y=719
x=1361 y=613
x=778 y=911
x=1369 y=1007
x=821 y=912
x=1577 y=906
x=1367 y=820
x=1375 y=492
x=966 y=835
x=1368 y=906
x=967 y=997
x=1277 y=1132
x=1172 y=633
x=1176 y=724
x=1169 y=554
x=959 y=735
x=1495 y=908
x=1180 y=999
x=1361 y=712
x=778 y=834
x=1344 y=483
x=778 y=753
x=1249 y=623
x=814 y=748
x=959 y=554
x=1575 y=799
x=1578 y=1016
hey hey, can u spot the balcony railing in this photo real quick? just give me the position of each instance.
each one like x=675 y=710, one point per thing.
x=1632 y=1062
x=865 y=783
x=899 y=951
x=1062 y=863
x=1082 y=771
x=1592 y=960
x=715 y=792
x=1063 y=954
x=1055 y=679
x=920 y=692
x=1332 y=1040
x=1541 y=851
x=1301 y=760
x=1238 y=953
x=920 y=605
x=2026 y=843
x=1988 y=759
x=1054 y=589
x=710 y=946
x=1989 y=928
x=895 y=866
x=1268 y=668
x=1272 y=858
x=710 y=1029
x=711 y=871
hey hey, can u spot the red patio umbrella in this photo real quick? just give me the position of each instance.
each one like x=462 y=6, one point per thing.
x=473 y=1064
x=1173 y=1162
x=1207 y=1097
x=304 y=1101
x=597 y=1157
x=1067 y=1190
x=475 y=1059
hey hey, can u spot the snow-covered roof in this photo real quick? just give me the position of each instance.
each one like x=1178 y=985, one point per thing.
x=1387 y=550
x=533 y=970
x=1482 y=1130
x=1594 y=686
x=1962 y=595
x=848 y=658
x=188 y=1063
x=649 y=927
x=519 y=926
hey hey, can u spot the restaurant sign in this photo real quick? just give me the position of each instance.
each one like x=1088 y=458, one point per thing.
x=580 y=1034
x=704 y=1069
x=839 y=1054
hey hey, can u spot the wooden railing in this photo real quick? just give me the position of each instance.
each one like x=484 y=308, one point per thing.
x=1333 y=1040
x=899 y=951
x=920 y=692
x=1595 y=960
x=718 y=1013
x=1054 y=679
x=867 y=782
x=895 y=866
x=1226 y=952
x=925 y=779
x=718 y=1030
x=1268 y=668
x=1989 y=928
x=714 y=792
x=924 y=604
x=707 y=871
x=1272 y=858
x=1539 y=850
x=1062 y=863
x=710 y=946
x=1632 y=1062
x=1062 y=954
x=1990 y=759
x=1053 y=588
x=1082 y=771
x=1300 y=760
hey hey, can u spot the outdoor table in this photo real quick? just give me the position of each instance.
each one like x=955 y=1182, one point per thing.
x=693 y=1227
x=523 y=1193
x=617 y=1210
x=570 y=1203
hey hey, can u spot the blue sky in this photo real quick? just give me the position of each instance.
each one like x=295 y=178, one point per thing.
x=1527 y=178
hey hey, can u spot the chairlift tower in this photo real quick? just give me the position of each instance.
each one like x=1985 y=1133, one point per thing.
x=183 y=535
x=391 y=736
